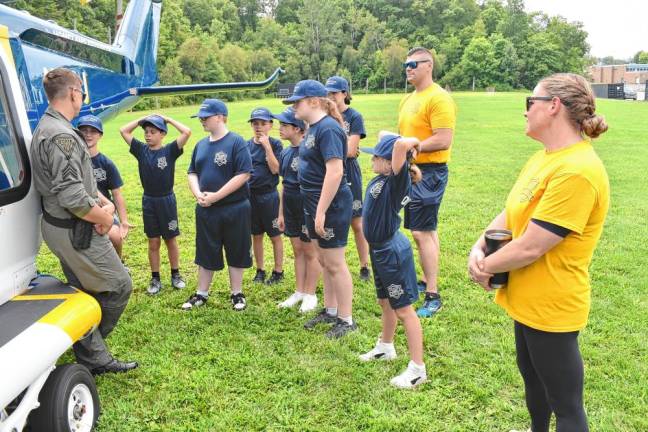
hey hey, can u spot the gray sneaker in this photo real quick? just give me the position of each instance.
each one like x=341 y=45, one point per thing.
x=177 y=282
x=321 y=318
x=340 y=329
x=154 y=287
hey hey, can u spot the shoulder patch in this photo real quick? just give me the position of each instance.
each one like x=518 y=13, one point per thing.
x=66 y=143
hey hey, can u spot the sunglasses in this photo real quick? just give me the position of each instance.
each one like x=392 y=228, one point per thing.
x=530 y=100
x=83 y=94
x=414 y=63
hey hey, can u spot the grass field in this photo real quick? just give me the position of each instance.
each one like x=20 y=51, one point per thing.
x=215 y=369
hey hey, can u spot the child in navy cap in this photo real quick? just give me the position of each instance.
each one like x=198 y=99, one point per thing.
x=218 y=173
x=327 y=200
x=109 y=181
x=291 y=216
x=156 y=164
x=391 y=253
x=338 y=90
x=264 y=198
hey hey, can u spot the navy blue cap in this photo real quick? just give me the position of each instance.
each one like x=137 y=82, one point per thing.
x=384 y=148
x=337 y=84
x=260 y=114
x=211 y=107
x=154 y=120
x=288 y=116
x=306 y=88
x=92 y=121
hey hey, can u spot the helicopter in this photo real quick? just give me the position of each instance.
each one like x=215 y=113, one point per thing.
x=41 y=316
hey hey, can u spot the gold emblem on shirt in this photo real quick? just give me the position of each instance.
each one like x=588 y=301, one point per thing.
x=527 y=193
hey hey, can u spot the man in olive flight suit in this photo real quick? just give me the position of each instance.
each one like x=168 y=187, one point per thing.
x=63 y=175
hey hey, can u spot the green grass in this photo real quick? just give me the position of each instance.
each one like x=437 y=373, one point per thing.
x=215 y=369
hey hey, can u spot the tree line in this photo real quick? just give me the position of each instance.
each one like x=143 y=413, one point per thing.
x=476 y=44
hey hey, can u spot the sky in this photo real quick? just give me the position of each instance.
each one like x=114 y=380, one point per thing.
x=617 y=29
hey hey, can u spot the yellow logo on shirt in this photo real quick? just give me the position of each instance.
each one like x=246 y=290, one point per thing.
x=527 y=193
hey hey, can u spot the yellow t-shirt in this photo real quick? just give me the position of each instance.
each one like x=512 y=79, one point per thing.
x=422 y=112
x=569 y=188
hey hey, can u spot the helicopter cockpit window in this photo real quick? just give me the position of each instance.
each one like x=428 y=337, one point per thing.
x=11 y=166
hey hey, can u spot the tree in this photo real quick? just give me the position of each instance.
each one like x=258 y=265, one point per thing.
x=321 y=31
x=641 y=57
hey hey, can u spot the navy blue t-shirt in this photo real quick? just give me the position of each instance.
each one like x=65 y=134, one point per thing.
x=262 y=178
x=353 y=123
x=217 y=162
x=156 y=167
x=324 y=140
x=289 y=169
x=106 y=174
x=384 y=199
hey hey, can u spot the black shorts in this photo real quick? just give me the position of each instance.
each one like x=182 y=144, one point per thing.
x=422 y=212
x=160 y=216
x=394 y=272
x=337 y=220
x=354 y=178
x=293 y=211
x=265 y=213
x=226 y=226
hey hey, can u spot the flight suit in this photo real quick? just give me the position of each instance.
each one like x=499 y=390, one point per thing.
x=63 y=175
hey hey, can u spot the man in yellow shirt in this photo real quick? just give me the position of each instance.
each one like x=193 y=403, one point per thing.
x=429 y=114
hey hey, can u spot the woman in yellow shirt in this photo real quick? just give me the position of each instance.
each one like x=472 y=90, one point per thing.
x=556 y=211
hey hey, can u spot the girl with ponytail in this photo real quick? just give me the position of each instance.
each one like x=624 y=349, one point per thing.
x=327 y=200
x=555 y=212
x=353 y=123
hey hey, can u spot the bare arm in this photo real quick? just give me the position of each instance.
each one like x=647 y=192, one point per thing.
x=185 y=132
x=332 y=178
x=535 y=242
x=126 y=131
x=441 y=139
x=234 y=184
x=273 y=162
x=353 y=143
x=399 y=154
x=194 y=186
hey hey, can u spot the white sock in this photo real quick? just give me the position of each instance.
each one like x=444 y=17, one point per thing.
x=299 y=295
x=420 y=367
x=203 y=293
x=387 y=344
x=331 y=311
x=347 y=320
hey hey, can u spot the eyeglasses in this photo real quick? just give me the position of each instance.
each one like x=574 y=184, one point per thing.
x=531 y=99
x=83 y=94
x=414 y=63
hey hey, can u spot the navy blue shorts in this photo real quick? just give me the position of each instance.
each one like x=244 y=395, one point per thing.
x=160 y=216
x=265 y=213
x=293 y=211
x=422 y=212
x=226 y=226
x=394 y=272
x=337 y=221
x=354 y=178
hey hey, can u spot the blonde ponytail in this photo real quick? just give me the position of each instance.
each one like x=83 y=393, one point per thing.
x=331 y=109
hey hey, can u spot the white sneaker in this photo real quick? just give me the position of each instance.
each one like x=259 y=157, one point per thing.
x=412 y=376
x=291 y=301
x=309 y=303
x=382 y=351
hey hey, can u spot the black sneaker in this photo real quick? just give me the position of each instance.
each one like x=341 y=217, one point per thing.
x=364 y=274
x=340 y=329
x=238 y=301
x=195 y=300
x=259 y=277
x=275 y=278
x=321 y=318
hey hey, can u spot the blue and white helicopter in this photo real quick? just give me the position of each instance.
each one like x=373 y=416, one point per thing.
x=41 y=317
